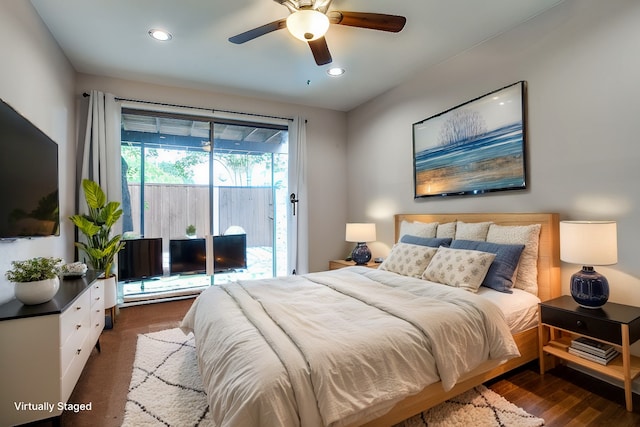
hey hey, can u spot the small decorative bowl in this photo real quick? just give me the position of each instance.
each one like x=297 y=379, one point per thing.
x=73 y=270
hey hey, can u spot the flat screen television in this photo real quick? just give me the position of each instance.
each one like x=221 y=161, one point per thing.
x=229 y=252
x=187 y=256
x=140 y=259
x=29 y=204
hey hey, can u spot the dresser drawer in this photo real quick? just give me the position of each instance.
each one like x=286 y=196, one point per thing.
x=75 y=315
x=582 y=324
x=97 y=293
x=74 y=343
x=97 y=320
x=97 y=309
x=78 y=354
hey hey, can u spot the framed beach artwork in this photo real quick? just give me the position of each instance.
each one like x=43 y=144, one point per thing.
x=474 y=148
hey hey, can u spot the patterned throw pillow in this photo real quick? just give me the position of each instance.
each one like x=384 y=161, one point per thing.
x=502 y=271
x=408 y=260
x=460 y=268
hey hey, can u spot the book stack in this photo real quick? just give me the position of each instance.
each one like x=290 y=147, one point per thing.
x=593 y=350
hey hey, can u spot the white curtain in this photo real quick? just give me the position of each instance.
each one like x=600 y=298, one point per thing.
x=99 y=153
x=298 y=241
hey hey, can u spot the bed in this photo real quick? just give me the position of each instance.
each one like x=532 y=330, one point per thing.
x=325 y=348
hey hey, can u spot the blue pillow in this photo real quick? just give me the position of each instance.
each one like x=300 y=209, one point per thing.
x=500 y=274
x=433 y=242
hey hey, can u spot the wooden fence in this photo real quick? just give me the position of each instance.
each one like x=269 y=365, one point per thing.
x=170 y=208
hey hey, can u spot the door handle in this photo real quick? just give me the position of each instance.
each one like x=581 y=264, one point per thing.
x=293 y=200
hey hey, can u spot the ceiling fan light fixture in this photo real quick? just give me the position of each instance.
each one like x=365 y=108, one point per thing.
x=307 y=24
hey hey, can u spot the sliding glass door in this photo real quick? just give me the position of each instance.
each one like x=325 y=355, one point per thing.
x=186 y=176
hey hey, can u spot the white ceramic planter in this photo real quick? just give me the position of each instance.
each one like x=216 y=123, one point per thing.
x=110 y=291
x=41 y=291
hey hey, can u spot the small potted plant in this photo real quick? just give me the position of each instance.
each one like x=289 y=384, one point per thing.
x=36 y=279
x=191 y=230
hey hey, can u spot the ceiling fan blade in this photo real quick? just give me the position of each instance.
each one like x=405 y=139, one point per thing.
x=373 y=21
x=259 y=31
x=320 y=51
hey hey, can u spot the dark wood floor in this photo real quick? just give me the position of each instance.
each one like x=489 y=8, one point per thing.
x=563 y=397
x=566 y=397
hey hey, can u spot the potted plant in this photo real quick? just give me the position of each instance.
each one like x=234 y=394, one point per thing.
x=191 y=230
x=36 y=279
x=100 y=247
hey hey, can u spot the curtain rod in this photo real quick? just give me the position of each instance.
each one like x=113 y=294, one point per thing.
x=85 y=94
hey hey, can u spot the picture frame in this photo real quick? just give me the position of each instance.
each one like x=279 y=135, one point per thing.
x=473 y=148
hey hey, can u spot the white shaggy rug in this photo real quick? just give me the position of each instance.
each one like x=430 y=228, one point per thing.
x=478 y=407
x=166 y=390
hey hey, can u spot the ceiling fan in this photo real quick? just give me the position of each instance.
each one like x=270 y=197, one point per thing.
x=310 y=19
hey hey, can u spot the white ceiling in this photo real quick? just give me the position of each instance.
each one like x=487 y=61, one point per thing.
x=109 y=38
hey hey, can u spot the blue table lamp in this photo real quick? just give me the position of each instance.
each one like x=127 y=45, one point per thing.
x=589 y=243
x=360 y=233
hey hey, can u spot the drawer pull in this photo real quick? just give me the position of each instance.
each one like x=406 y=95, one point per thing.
x=78 y=351
x=580 y=324
x=79 y=307
x=98 y=299
x=78 y=326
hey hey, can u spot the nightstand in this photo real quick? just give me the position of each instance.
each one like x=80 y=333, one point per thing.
x=614 y=324
x=341 y=263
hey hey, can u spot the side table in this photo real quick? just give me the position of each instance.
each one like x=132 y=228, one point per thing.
x=614 y=324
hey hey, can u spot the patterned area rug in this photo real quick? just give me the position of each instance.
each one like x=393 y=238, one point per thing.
x=166 y=389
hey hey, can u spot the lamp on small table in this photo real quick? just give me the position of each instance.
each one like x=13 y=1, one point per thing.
x=360 y=233
x=589 y=243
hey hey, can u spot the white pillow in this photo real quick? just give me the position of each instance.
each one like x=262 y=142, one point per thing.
x=460 y=268
x=527 y=235
x=472 y=230
x=408 y=260
x=447 y=230
x=420 y=229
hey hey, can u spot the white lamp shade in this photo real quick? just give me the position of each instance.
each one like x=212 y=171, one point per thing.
x=589 y=243
x=307 y=25
x=360 y=232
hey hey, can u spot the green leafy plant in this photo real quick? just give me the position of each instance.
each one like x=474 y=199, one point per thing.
x=191 y=230
x=33 y=270
x=101 y=248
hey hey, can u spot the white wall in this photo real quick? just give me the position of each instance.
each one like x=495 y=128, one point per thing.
x=326 y=151
x=37 y=80
x=581 y=64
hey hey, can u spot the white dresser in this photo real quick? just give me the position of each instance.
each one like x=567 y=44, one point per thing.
x=43 y=349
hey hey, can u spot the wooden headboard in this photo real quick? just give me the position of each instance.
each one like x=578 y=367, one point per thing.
x=549 y=246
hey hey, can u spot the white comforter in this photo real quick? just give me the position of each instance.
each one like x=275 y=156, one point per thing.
x=336 y=347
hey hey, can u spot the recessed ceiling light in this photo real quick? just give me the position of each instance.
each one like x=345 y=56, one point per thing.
x=335 y=71
x=160 y=35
